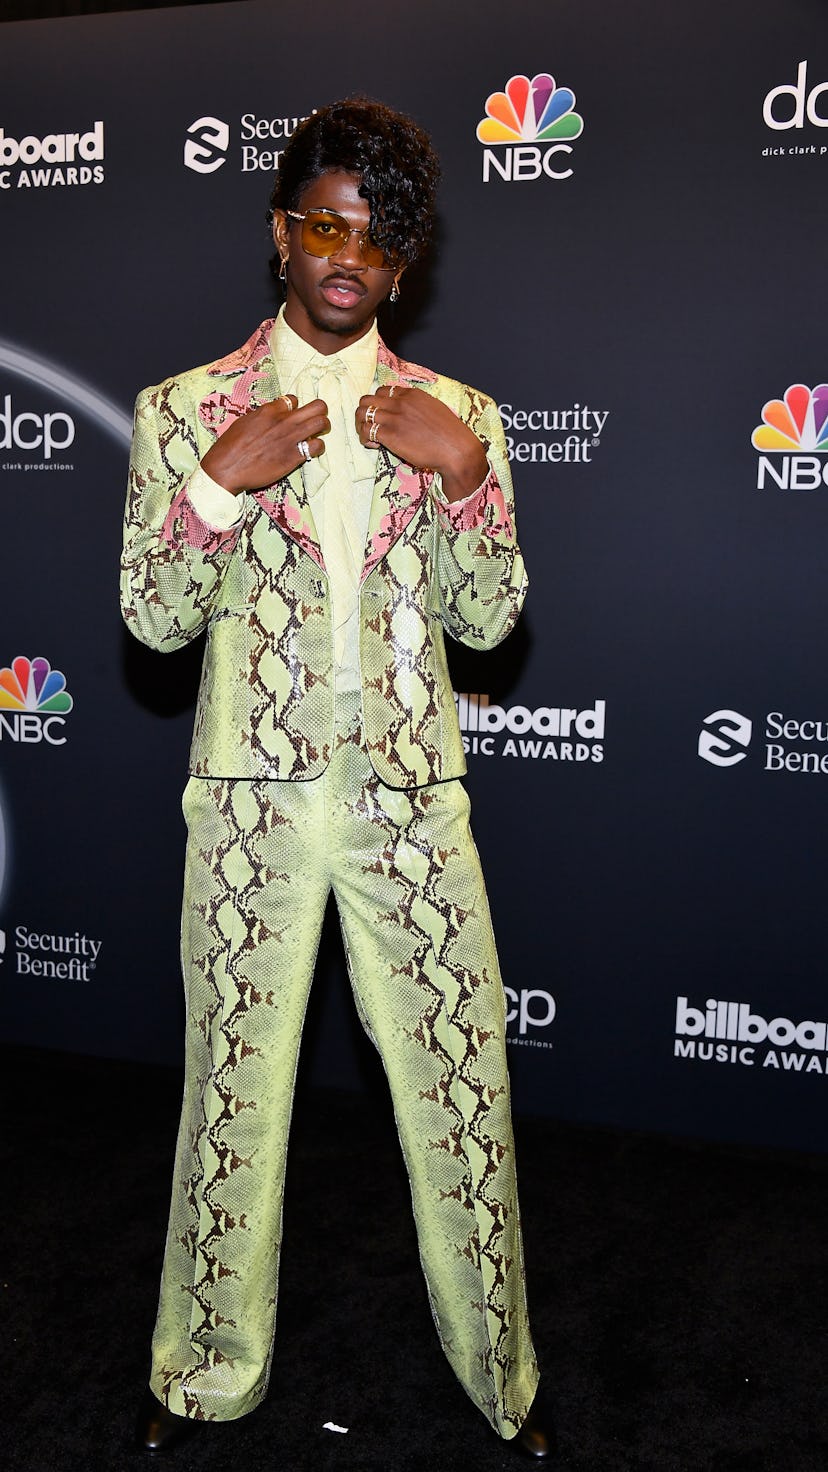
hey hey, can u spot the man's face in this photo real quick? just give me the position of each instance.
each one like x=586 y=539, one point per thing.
x=331 y=301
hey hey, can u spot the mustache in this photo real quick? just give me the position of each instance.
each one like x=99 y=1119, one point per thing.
x=347 y=277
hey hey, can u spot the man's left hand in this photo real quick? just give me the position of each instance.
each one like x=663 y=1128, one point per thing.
x=426 y=434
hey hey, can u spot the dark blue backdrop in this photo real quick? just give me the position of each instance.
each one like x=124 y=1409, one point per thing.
x=633 y=318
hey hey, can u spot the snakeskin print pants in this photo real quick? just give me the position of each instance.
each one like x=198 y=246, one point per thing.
x=261 y=861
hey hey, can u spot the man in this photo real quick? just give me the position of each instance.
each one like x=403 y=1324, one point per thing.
x=324 y=510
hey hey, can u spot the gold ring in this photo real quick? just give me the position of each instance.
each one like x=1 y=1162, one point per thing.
x=373 y=432
x=370 y=414
x=285 y=399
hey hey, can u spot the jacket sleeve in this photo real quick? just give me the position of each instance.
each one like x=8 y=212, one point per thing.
x=173 y=562
x=482 y=579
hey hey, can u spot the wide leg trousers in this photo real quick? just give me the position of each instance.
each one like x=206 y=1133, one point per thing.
x=262 y=858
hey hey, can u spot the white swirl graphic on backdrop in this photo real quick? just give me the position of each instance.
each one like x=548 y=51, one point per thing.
x=82 y=395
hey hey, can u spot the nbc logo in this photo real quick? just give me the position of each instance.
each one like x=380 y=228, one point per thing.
x=532 y=122
x=795 y=428
x=33 y=702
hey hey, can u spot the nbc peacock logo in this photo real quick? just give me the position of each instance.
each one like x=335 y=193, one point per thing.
x=33 y=702
x=794 y=430
x=531 y=125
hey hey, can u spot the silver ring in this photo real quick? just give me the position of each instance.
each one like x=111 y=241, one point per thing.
x=391 y=391
x=370 y=414
x=285 y=399
x=304 y=449
x=373 y=432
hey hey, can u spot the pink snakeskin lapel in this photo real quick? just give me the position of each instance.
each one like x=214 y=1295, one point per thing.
x=256 y=383
x=398 y=489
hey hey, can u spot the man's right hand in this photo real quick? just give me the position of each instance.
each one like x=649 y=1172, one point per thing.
x=262 y=446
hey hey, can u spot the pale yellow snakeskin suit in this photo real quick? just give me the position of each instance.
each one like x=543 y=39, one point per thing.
x=296 y=790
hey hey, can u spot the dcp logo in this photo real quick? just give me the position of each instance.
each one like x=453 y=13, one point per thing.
x=531 y=1008
x=27 y=431
x=206 y=147
x=724 y=737
x=805 y=102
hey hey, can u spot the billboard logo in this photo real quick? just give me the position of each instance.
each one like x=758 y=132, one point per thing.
x=795 y=428
x=531 y=123
x=780 y=116
x=33 y=702
x=579 y=734
x=74 y=153
x=731 y=1032
x=724 y=738
x=208 y=140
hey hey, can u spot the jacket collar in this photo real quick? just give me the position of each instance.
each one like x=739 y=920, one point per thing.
x=254 y=358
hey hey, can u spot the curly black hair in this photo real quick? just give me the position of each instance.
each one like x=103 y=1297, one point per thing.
x=393 y=157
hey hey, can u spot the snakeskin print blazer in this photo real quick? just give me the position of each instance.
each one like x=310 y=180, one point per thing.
x=266 y=700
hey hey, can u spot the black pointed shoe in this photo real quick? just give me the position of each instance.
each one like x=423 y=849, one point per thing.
x=158 y=1430
x=536 y=1438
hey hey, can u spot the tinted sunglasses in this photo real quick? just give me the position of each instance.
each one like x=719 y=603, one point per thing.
x=326 y=233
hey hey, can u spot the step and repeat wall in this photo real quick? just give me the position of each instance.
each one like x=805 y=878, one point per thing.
x=630 y=260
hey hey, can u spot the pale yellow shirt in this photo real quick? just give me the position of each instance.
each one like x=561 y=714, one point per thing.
x=339 y=483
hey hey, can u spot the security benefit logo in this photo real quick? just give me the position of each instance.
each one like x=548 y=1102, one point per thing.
x=800 y=107
x=52 y=160
x=528 y=130
x=259 y=141
x=34 y=703
x=550 y=732
x=793 y=440
x=52 y=957
x=733 y=1033
x=792 y=743
x=206 y=145
x=548 y=436
x=528 y=1014
x=724 y=738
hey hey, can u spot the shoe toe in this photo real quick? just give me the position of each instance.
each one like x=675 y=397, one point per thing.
x=159 y=1430
x=535 y=1438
